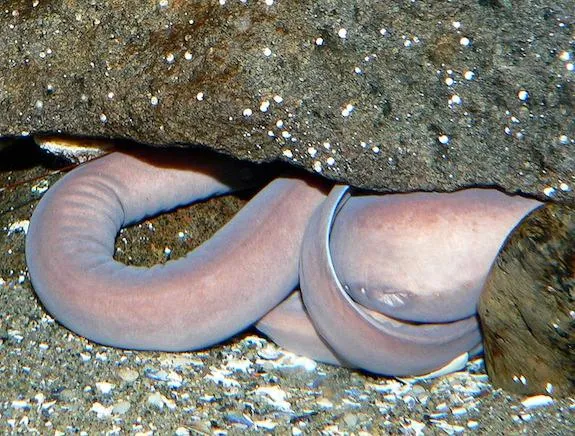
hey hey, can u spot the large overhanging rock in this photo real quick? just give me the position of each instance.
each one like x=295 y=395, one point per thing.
x=389 y=95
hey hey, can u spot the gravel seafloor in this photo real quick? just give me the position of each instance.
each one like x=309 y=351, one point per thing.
x=54 y=382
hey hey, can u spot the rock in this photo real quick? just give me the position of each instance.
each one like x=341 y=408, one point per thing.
x=391 y=96
x=527 y=309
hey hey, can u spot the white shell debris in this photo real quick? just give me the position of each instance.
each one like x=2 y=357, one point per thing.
x=455 y=365
x=121 y=407
x=159 y=401
x=258 y=341
x=129 y=375
x=171 y=378
x=19 y=226
x=40 y=187
x=105 y=387
x=390 y=386
x=181 y=361
x=537 y=401
x=220 y=376
x=270 y=352
x=324 y=403
x=287 y=360
x=101 y=410
x=21 y=405
x=266 y=424
x=450 y=429
x=414 y=428
x=275 y=396
x=241 y=365
x=15 y=335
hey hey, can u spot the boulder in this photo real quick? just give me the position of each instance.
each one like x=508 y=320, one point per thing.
x=391 y=96
x=527 y=309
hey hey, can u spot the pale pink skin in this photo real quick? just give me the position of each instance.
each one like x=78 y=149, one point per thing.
x=393 y=234
x=251 y=264
x=422 y=256
x=217 y=290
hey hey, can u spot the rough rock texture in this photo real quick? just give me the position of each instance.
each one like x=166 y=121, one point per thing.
x=527 y=309
x=398 y=95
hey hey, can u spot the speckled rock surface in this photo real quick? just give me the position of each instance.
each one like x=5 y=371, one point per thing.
x=54 y=382
x=399 y=95
x=527 y=308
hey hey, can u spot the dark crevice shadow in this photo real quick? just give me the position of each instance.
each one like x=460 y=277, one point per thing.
x=19 y=154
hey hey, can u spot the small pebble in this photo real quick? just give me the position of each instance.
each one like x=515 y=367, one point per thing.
x=121 y=407
x=537 y=401
x=128 y=374
x=105 y=387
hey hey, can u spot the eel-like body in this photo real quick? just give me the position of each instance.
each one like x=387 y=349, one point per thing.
x=361 y=236
x=217 y=290
x=390 y=282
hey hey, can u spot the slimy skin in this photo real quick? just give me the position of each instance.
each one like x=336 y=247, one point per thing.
x=365 y=338
x=290 y=326
x=217 y=290
x=413 y=264
x=422 y=256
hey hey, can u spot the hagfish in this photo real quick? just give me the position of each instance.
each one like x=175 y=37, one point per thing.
x=361 y=233
x=217 y=290
x=390 y=283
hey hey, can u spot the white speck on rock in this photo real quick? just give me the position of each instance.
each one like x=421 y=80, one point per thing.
x=443 y=139
x=549 y=191
x=265 y=105
x=523 y=95
x=347 y=110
